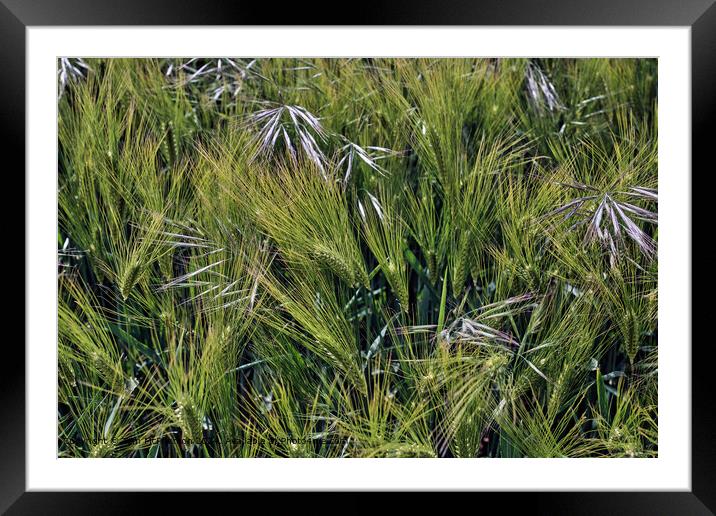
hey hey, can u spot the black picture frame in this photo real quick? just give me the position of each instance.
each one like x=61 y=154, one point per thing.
x=700 y=15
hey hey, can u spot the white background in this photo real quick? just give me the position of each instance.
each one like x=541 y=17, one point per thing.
x=671 y=470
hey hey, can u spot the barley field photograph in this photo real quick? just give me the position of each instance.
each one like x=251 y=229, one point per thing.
x=357 y=258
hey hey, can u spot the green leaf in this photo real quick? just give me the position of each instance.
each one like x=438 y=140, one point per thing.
x=602 y=401
x=415 y=265
x=443 y=301
x=131 y=341
x=110 y=419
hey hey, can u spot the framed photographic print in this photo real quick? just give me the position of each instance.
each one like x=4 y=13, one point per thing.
x=439 y=248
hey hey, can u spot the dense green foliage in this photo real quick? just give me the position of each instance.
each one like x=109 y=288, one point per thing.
x=357 y=258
